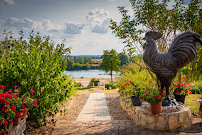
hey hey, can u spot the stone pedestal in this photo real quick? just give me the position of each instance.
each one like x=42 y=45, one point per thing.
x=19 y=129
x=172 y=118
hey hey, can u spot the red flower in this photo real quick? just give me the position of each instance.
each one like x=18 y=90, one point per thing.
x=3 y=132
x=162 y=95
x=161 y=90
x=32 y=91
x=177 y=91
x=18 y=115
x=13 y=108
x=12 y=121
x=22 y=107
x=2 y=87
x=5 y=122
x=171 y=89
x=155 y=97
x=9 y=90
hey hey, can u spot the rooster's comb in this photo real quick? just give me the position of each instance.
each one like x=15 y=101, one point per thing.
x=154 y=35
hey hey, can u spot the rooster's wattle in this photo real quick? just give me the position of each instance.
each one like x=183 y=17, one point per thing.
x=165 y=65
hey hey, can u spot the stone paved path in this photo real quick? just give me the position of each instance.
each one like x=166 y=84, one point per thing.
x=93 y=124
x=95 y=109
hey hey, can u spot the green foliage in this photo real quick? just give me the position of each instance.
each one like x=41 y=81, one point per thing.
x=94 y=82
x=196 y=87
x=81 y=64
x=110 y=61
x=36 y=64
x=109 y=85
x=137 y=75
x=78 y=84
x=123 y=58
x=152 y=96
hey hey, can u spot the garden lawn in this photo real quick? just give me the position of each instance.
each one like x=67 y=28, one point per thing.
x=191 y=101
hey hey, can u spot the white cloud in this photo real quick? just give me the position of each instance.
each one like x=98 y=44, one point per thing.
x=92 y=36
x=94 y=43
x=72 y=28
x=103 y=28
x=7 y=2
x=24 y=23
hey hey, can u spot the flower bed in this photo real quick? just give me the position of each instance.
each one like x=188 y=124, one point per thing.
x=12 y=106
x=171 y=119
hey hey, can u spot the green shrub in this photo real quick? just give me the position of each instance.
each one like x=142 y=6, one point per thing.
x=78 y=84
x=138 y=76
x=196 y=87
x=109 y=85
x=94 y=82
x=36 y=64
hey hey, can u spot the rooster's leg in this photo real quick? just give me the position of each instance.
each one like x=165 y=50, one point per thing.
x=167 y=93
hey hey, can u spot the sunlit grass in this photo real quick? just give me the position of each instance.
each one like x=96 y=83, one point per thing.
x=83 y=90
x=191 y=101
x=110 y=91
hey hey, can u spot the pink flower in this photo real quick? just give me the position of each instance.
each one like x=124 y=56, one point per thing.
x=15 y=86
x=22 y=96
x=9 y=90
x=35 y=102
x=32 y=91
x=24 y=101
x=18 y=94
x=130 y=81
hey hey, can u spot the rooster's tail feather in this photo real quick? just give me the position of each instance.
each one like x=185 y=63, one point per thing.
x=183 y=48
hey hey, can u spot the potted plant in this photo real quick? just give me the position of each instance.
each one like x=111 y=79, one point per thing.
x=181 y=90
x=154 y=97
x=135 y=92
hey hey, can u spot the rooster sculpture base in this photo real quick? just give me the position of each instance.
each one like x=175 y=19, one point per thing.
x=165 y=65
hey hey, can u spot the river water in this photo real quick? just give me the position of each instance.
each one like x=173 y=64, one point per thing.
x=90 y=74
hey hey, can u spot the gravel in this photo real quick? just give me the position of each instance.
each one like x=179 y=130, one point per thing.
x=115 y=110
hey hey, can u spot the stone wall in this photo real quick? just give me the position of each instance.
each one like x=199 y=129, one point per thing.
x=171 y=119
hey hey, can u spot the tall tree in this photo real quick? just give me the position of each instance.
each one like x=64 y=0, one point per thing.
x=157 y=16
x=123 y=58
x=110 y=62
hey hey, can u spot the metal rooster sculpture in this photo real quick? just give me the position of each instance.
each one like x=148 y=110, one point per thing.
x=165 y=65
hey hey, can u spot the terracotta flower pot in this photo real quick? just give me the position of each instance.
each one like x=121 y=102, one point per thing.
x=156 y=108
x=24 y=112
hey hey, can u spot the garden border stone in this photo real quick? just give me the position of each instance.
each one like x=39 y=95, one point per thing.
x=173 y=120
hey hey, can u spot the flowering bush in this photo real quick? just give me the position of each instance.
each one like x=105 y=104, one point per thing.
x=8 y=111
x=180 y=88
x=27 y=101
x=131 y=89
x=153 y=97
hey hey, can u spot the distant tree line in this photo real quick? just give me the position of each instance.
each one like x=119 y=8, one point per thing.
x=85 y=62
x=81 y=64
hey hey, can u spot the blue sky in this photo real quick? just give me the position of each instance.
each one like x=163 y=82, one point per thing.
x=82 y=23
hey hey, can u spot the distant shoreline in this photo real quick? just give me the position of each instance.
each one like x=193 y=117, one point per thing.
x=86 y=81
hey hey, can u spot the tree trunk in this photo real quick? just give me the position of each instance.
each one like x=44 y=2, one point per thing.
x=111 y=77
